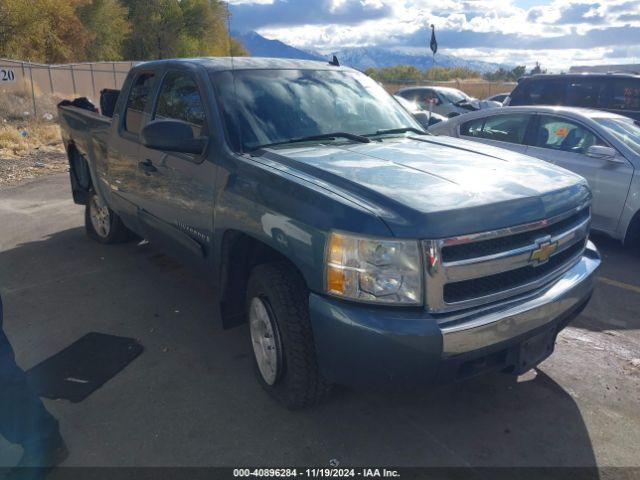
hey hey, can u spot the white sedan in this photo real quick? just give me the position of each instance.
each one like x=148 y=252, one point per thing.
x=602 y=147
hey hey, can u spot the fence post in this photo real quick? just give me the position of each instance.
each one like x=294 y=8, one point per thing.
x=73 y=80
x=50 y=78
x=115 y=82
x=93 y=80
x=33 y=91
x=24 y=76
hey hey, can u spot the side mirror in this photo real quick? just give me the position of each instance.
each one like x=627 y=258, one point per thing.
x=172 y=136
x=600 y=151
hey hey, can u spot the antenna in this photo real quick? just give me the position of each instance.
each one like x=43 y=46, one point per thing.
x=233 y=76
x=334 y=61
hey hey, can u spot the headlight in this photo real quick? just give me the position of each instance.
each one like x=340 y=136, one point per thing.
x=374 y=270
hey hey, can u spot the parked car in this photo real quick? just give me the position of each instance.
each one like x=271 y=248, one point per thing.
x=445 y=101
x=602 y=147
x=616 y=92
x=360 y=250
x=499 y=97
x=424 y=117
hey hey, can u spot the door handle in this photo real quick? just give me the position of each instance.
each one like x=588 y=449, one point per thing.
x=147 y=167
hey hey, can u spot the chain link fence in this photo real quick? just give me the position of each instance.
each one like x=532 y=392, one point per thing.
x=68 y=80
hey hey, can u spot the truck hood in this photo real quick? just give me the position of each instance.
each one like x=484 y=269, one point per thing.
x=434 y=187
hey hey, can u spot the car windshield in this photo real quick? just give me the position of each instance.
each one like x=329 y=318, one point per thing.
x=625 y=130
x=262 y=107
x=454 y=96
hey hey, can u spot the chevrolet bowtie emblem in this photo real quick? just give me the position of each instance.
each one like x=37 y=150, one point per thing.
x=541 y=254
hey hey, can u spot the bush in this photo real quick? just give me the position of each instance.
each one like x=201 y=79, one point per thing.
x=17 y=107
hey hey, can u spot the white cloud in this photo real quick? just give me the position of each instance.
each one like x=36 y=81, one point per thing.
x=505 y=30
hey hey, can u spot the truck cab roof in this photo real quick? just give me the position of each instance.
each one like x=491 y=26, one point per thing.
x=221 y=64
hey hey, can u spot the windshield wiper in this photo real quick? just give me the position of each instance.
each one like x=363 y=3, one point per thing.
x=323 y=136
x=398 y=130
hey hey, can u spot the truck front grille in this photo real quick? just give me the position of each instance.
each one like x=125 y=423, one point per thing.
x=482 y=268
x=492 y=246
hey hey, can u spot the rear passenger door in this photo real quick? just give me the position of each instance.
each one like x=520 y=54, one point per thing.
x=177 y=189
x=503 y=130
x=564 y=142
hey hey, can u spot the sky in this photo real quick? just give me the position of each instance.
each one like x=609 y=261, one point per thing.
x=556 y=33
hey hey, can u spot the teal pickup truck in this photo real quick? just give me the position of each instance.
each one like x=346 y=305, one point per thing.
x=360 y=250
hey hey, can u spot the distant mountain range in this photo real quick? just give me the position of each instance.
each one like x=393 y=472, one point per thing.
x=259 y=46
x=359 y=57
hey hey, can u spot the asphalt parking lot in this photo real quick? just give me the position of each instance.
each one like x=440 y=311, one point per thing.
x=191 y=398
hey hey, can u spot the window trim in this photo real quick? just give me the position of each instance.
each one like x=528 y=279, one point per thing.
x=123 y=132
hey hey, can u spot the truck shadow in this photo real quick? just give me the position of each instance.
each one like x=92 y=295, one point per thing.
x=191 y=397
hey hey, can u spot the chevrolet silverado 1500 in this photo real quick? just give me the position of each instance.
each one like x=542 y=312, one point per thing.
x=360 y=250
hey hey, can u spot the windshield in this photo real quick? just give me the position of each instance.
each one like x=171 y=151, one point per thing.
x=262 y=107
x=454 y=96
x=625 y=130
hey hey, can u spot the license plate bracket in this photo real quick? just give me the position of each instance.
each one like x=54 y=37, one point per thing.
x=535 y=349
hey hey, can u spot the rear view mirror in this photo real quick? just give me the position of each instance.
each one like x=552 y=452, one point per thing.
x=600 y=151
x=172 y=136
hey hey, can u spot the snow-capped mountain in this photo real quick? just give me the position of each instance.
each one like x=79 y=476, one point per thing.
x=359 y=57
x=376 y=57
x=259 y=46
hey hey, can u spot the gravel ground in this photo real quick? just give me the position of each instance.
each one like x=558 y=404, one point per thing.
x=42 y=161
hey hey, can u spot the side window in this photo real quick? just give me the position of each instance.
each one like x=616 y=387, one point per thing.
x=543 y=92
x=136 y=103
x=560 y=134
x=424 y=97
x=587 y=92
x=179 y=99
x=501 y=128
x=472 y=128
x=625 y=95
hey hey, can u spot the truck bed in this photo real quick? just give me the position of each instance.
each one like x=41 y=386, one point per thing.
x=85 y=135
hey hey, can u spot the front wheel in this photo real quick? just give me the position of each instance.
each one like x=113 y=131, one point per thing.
x=281 y=336
x=103 y=224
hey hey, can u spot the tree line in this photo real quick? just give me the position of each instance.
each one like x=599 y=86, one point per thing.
x=411 y=74
x=62 y=31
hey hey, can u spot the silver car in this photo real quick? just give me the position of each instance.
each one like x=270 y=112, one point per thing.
x=446 y=101
x=602 y=147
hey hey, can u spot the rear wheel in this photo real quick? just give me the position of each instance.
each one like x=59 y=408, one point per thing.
x=103 y=224
x=281 y=336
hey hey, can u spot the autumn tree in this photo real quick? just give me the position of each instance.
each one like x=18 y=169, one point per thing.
x=204 y=31
x=60 y=31
x=108 y=27
x=42 y=30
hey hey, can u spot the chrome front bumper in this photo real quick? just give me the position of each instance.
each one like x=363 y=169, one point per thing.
x=487 y=329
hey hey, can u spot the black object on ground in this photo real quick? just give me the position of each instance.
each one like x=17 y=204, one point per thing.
x=83 y=367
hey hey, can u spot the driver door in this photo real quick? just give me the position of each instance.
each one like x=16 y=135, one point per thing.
x=177 y=189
